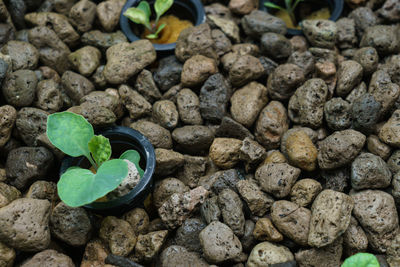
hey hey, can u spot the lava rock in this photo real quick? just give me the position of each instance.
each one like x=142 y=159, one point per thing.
x=225 y=152
x=71 y=225
x=368 y=59
x=389 y=131
x=284 y=81
x=338 y=113
x=119 y=67
x=103 y=40
x=8 y=116
x=304 y=192
x=85 y=60
x=49 y=257
x=277 y=178
x=384 y=38
x=188 y=105
x=259 y=22
x=187 y=235
x=148 y=246
x=82 y=15
x=29 y=231
x=320 y=33
x=369 y=172
x=275 y=45
x=349 y=75
x=330 y=217
x=19 y=88
x=168 y=73
x=257 y=201
x=219 y=243
x=214 y=98
x=291 y=220
x=266 y=254
x=108 y=13
x=197 y=69
x=23 y=55
x=193 y=139
x=231 y=208
x=245 y=69
x=167 y=161
x=158 y=136
x=340 y=148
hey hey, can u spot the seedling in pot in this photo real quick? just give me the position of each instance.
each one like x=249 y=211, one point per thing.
x=74 y=135
x=290 y=8
x=142 y=13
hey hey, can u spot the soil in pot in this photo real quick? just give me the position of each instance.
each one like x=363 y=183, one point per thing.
x=174 y=26
x=311 y=10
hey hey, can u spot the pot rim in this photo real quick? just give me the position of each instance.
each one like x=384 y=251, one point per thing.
x=126 y=28
x=142 y=189
x=335 y=14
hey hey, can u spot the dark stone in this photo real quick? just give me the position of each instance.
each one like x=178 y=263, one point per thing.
x=188 y=234
x=336 y=179
x=3 y=70
x=17 y=9
x=268 y=64
x=168 y=73
x=365 y=113
x=225 y=180
x=214 y=98
x=231 y=128
x=27 y=164
x=6 y=33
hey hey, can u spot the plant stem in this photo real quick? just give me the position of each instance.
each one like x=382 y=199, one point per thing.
x=92 y=162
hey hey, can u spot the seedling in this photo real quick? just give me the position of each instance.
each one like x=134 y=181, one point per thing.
x=74 y=135
x=361 y=260
x=141 y=15
x=290 y=8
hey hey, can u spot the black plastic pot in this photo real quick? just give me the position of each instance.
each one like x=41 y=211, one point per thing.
x=191 y=10
x=122 y=139
x=335 y=6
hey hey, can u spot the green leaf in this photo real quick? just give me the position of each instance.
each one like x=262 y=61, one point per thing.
x=162 y=26
x=162 y=6
x=143 y=5
x=100 y=148
x=361 y=260
x=70 y=133
x=78 y=187
x=134 y=157
x=152 y=36
x=136 y=15
x=272 y=5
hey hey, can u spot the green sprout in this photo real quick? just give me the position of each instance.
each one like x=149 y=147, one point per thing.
x=74 y=135
x=361 y=260
x=290 y=8
x=141 y=15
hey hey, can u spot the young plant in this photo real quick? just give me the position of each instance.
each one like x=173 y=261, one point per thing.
x=290 y=8
x=74 y=135
x=361 y=260
x=141 y=15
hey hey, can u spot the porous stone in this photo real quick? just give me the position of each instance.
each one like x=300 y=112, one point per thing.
x=179 y=206
x=157 y=135
x=259 y=22
x=48 y=258
x=118 y=234
x=138 y=219
x=82 y=15
x=76 y=86
x=193 y=139
x=231 y=128
x=165 y=113
x=257 y=201
x=7 y=255
x=23 y=55
x=340 y=148
x=329 y=255
x=365 y=113
x=148 y=245
x=369 y=172
x=231 y=208
x=166 y=188
x=27 y=164
x=247 y=102
x=49 y=96
x=8 y=194
x=188 y=105
x=346 y=33
x=354 y=238
x=271 y=124
x=266 y=254
x=291 y=220
x=376 y=212
x=103 y=40
x=349 y=75
x=384 y=38
x=19 y=88
x=209 y=210
x=108 y=13
x=377 y=147
x=43 y=190
x=305 y=60
x=193 y=168
x=179 y=256
x=167 y=161
x=134 y=102
x=275 y=46
x=264 y=230
x=320 y=33
x=252 y=153
x=389 y=133
x=219 y=243
x=301 y=151
x=197 y=69
x=147 y=87
x=57 y=22
x=245 y=69
x=85 y=60
x=187 y=235
x=304 y=191
x=284 y=81
x=330 y=217
x=277 y=178
x=214 y=97
x=306 y=106
x=195 y=41
x=8 y=116
x=368 y=59
x=29 y=230
x=338 y=113
x=225 y=152
x=127 y=59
